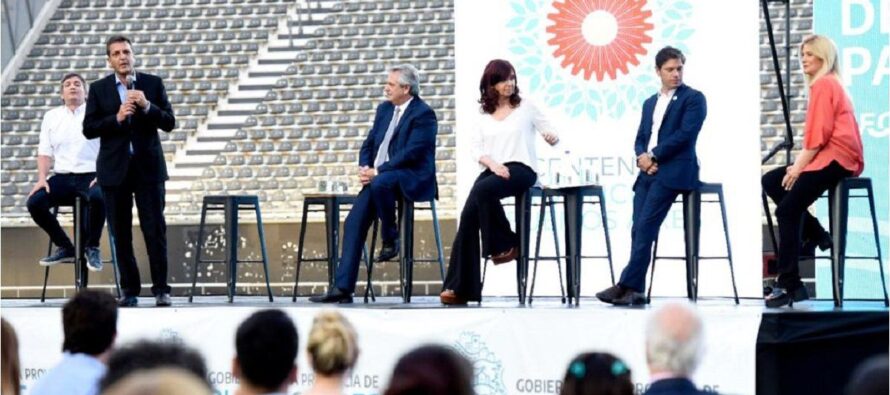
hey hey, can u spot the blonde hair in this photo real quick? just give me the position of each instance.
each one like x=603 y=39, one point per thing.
x=823 y=48
x=332 y=345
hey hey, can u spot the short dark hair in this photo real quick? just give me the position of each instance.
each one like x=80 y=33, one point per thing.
x=73 y=75
x=89 y=321
x=432 y=370
x=597 y=374
x=148 y=354
x=117 y=38
x=266 y=344
x=668 y=53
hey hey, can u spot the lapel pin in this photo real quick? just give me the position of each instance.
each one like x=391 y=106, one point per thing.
x=674 y=98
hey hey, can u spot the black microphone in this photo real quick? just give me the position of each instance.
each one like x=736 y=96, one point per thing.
x=131 y=84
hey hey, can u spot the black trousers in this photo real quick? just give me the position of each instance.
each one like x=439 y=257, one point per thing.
x=795 y=222
x=484 y=213
x=63 y=188
x=150 y=205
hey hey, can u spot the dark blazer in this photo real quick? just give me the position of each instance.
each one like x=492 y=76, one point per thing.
x=675 y=151
x=676 y=386
x=412 y=149
x=100 y=120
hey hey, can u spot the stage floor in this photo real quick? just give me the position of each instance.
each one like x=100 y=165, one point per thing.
x=515 y=349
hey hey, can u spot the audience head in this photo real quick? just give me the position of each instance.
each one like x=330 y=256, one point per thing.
x=162 y=381
x=597 y=374
x=147 y=354
x=266 y=344
x=674 y=340
x=818 y=56
x=89 y=321
x=498 y=79
x=870 y=377
x=10 y=373
x=431 y=370
x=333 y=344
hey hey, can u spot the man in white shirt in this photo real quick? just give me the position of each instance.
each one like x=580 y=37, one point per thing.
x=89 y=321
x=73 y=161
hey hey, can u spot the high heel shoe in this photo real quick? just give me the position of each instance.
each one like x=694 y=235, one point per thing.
x=781 y=297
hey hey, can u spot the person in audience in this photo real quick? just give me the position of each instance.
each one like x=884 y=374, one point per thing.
x=503 y=145
x=145 y=355
x=431 y=370
x=161 y=381
x=870 y=377
x=125 y=110
x=674 y=344
x=266 y=344
x=397 y=159
x=832 y=150
x=333 y=351
x=89 y=321
x=10 y=372
x=597 y=374
x=72 y=158
x=668 y=166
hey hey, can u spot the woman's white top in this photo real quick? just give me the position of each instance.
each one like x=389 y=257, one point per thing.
x=511 y=139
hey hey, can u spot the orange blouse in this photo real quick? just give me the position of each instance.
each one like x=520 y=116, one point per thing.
x=831 y=127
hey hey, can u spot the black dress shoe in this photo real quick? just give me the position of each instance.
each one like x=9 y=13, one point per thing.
x=127 y=301
x=389 y=251
x=781 y=297
x=335 y=295
x=163 y=300
x=630 y=298
x=609 y=294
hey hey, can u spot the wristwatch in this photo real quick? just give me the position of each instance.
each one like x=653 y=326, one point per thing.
x=652 y=156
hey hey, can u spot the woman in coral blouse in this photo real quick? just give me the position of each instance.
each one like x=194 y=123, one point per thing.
x=832 y=150
x=503 y=144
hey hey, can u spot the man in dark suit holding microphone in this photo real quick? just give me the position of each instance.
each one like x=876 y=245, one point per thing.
x=665 y=149
x=125 y=110
x=397 y=158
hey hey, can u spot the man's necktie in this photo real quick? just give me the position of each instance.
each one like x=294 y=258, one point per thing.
x=383 y=151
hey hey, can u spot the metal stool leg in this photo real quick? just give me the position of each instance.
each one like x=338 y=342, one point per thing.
x=735 y=292
x=259 y=223
x=370 y=267
x=115 y=270
x=874 y=223
x=602 y=198
x=303 y=226
x=531 y=292
x=199 y=245
x=839 y=204
x=49 y=251
x=652 y=270
x=562 y=291
x=439 y=249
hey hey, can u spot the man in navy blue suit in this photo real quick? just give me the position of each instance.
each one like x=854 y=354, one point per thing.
x=665 y=149
x=397 y=159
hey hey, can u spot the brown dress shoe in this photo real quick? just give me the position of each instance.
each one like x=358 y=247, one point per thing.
x=505 y=257
x=450 y=298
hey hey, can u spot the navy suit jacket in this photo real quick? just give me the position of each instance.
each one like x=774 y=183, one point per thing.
x=412 y=150
x=100 y=120
x=675 y=386
x=675 y=150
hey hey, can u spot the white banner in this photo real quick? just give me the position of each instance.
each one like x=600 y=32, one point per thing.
x=596 y=108
x=514 y=351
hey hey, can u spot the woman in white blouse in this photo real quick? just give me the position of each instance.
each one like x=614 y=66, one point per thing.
x=504 y=145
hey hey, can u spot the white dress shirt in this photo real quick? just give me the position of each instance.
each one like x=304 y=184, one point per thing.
x=61 y=138
x=511 y=139
x=76 y=374
x=661 y=105
x=383 y=151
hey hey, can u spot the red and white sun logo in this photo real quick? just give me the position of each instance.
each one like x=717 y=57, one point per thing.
x=599 y=36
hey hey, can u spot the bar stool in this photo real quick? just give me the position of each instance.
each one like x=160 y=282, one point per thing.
x=81 y=275
x=838 y=207
x=231 y=205
x=330 y=203
x=522 y=204
x=692 y=201
x=406 y=210
x=573 y=199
